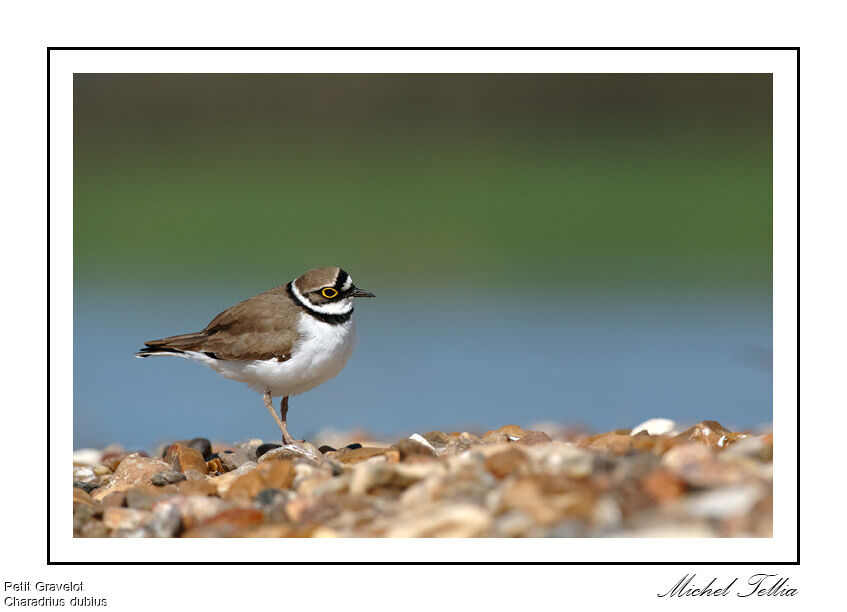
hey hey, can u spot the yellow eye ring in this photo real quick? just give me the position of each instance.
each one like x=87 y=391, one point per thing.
x=329 y=293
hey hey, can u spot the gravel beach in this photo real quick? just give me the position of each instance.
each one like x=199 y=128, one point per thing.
x=651 y=481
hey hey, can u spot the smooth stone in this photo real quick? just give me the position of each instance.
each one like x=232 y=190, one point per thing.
x=166 y=521
x=115 y=498
x=94 y=529
x=513 y=524
x=534 y=437
x=564 y=458
x=439 y=438
x=697 y=465
x=87 y=456
x=369 y=475
x=331 y=486
x=264 y=448
x=205 y=486
x=143 y=497
x=82 y=496
x=356 y=455
x=612 y=442
x=183 y=458
x=724 y=502
x=277 y=474
x=84 y=475
x=224 y=481
x=494 y=437
x=712 y=434
x=655 y=427
x=514 y=432
x=88 y=487
x=446 y=521
x=411 y=447
x=133 y=470
x=167 y=477
x=138 y=532
x=326 y=448
x=298 y=450
x=125 y=518
x=195 y=509
x=113 y=459
x=234 y=460
x=227 y=523
x=267 y=497
x=508 y=462
x=250 y=448
x=83 y=513
x=749 y=446
x=663 y=485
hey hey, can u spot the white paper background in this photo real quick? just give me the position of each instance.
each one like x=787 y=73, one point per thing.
x=30 y=30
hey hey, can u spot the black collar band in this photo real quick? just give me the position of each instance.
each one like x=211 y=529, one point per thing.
x=332 y=319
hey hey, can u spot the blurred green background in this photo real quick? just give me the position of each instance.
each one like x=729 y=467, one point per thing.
x=457 y=199
x=444 y=178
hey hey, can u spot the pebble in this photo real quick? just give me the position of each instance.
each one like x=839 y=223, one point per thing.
x=298 y=450
x=224 y=481
x=113 y=459
x=166 y=521
x=125 y=518
x=84 y=475
x=655 y=427
x=81 y=496
x=167 y=477
x=353 y=456
x=263 y=448
x=87 y=456
x=697 y=465
x=183 y=458
x=132 y=471
x=144 y=497
x=232 y=460
x=724 y=502
x=88 y=487
x=448 y=521
x=646 y=481
x=615 y=443
x=712 y=434
x=277 y=474
x=415 y=447
x=508 y=462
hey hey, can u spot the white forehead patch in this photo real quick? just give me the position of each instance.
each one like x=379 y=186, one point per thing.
x=348 y=283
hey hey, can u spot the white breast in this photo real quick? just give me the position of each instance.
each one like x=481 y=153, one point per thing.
x=321 y=353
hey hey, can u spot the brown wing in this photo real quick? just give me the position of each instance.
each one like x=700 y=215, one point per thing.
x=262 y=327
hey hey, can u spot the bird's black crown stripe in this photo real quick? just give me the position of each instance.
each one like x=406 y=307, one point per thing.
x=332 y=319
x=342 y=278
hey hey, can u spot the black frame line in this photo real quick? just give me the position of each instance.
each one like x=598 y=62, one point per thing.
x=766 y=563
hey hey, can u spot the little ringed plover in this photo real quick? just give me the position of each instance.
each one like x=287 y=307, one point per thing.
x=282 y=342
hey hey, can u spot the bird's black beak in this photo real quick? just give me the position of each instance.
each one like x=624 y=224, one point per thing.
x=356 y=292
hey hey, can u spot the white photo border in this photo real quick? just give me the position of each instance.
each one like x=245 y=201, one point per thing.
x=783 y=63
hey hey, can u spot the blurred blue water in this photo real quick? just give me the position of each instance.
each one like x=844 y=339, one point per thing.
x=449 y=362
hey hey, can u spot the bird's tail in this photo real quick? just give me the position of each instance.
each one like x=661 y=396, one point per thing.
x=174 y=345
x=149 y=351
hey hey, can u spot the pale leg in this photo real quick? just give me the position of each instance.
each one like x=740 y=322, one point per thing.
x=286 y=439
x=283 y=411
